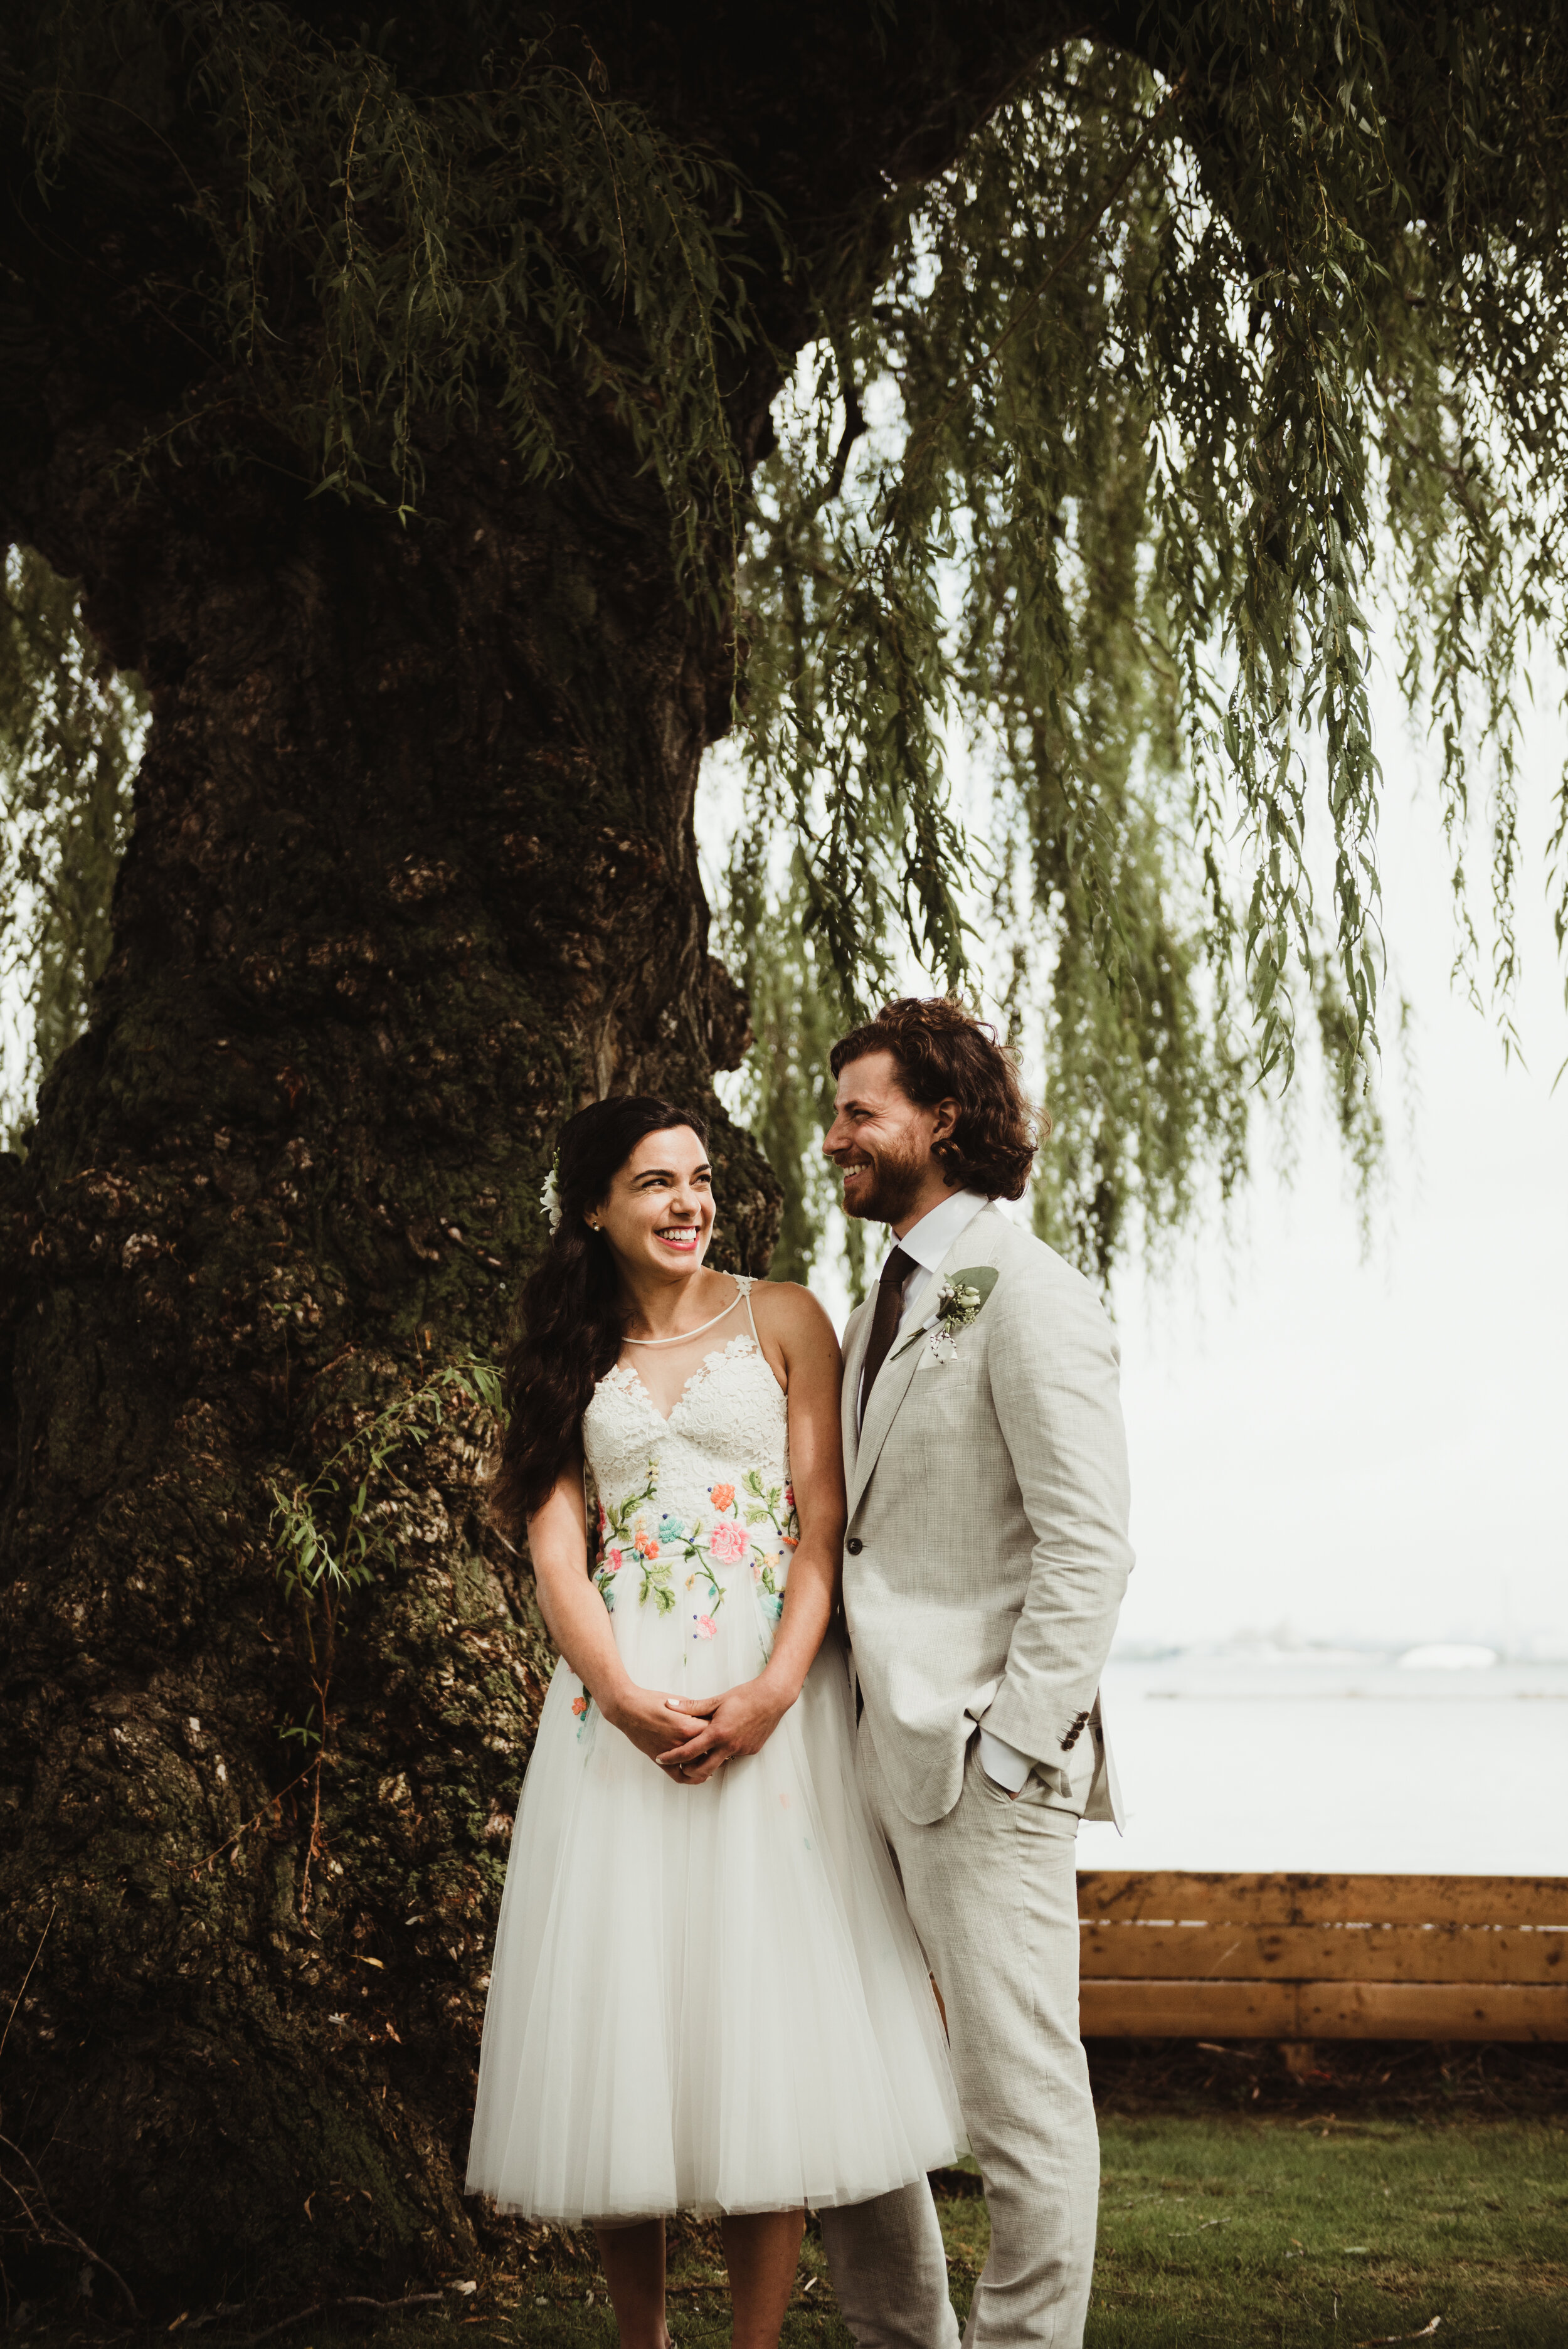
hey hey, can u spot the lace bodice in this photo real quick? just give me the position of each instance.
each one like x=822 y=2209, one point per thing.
x=694 y=1516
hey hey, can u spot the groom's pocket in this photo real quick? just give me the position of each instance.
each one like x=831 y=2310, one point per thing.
x=973 y=1768
x=1033 y=1797
x=948 y=1394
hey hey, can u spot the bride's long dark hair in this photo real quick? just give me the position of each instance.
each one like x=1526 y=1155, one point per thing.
x=568 y=1326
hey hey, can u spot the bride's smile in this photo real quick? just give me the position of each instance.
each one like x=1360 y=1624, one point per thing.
x=682 y=1238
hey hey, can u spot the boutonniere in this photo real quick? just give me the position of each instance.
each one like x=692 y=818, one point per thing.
x=958 y=1303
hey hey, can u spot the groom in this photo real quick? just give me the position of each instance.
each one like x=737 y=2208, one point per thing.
x=985 y=1557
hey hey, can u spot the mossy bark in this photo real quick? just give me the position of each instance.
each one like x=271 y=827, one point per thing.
x=413 y=876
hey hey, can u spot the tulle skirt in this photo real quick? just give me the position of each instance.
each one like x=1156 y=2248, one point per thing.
x=706 y=1999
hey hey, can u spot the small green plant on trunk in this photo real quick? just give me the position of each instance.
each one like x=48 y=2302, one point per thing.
x=333 y=1532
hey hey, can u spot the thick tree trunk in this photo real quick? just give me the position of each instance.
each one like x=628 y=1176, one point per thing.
x=413 y=876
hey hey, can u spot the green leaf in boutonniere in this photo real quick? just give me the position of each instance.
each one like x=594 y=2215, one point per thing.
x=958 y=1303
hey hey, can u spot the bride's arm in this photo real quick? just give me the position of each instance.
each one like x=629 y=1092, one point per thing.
x=578 y=1622
x=797 y=1333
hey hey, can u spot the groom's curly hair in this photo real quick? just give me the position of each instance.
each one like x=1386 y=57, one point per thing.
x=944 y=1053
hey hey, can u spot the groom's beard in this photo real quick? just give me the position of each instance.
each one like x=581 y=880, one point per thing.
x=889 y=1190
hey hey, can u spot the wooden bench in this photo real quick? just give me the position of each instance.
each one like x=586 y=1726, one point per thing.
x=1298 y=1958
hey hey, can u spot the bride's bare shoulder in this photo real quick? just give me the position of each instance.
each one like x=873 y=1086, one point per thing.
x=791 y=1317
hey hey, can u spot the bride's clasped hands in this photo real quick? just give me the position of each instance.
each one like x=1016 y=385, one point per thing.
x=737 y=1723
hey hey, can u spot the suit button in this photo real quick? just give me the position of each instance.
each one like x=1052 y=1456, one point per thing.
x=853 y=1545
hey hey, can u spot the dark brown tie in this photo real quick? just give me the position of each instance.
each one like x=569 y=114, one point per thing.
x=885 y=1319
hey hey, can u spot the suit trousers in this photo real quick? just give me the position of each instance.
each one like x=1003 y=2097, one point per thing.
x=993 y=1891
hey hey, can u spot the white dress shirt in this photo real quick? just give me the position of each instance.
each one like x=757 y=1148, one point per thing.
x=928 y=1242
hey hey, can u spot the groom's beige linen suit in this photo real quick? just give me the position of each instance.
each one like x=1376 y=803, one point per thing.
x=985 y=1557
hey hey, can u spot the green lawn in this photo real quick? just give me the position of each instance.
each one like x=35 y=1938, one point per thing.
x=1268 y=2233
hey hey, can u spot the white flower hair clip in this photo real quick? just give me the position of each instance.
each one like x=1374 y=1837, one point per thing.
x=549 y=1196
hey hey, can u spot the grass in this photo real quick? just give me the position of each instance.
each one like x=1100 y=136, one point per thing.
x=1288 y=2234
x=1254 y=2232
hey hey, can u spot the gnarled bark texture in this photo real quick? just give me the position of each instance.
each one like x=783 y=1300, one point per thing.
x=413 y=876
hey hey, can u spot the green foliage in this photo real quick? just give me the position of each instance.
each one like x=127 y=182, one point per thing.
x=333 y=1530
x=70 y=735
x=1109 y=433
x=1158 y=371
x=385 y=259
x=787 y=1089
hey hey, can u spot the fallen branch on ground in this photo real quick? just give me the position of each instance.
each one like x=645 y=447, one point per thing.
x=62 y=2238
x=357 y=2300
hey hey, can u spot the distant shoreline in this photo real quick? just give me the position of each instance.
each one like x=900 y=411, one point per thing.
x=1358 y=1696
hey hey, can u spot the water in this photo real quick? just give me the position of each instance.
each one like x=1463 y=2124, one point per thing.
x=1341 y=1764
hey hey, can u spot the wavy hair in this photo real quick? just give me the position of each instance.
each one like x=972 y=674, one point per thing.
x=567 y=1331
x=944 y=1053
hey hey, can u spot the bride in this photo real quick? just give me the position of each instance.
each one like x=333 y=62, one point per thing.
x=705 y=1993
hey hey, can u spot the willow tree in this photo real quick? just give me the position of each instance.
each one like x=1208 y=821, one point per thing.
x=457 y=429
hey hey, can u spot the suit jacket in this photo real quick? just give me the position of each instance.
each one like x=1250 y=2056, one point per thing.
x=985 y=1549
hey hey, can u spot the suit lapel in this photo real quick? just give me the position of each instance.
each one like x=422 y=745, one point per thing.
x=972 y=1246
x=857 y=1338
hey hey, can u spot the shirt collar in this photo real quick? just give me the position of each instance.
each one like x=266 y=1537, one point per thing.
x=929 y=1241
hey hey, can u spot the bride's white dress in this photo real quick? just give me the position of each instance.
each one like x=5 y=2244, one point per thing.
x=703 y=1998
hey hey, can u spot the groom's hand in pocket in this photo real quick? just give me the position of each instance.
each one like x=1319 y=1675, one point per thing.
x=726 y=1727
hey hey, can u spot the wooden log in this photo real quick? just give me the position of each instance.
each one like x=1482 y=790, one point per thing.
x=1303 y=2011
x=1325 y=2012
x=1433 y=2010
x=1188 y=2010
x=1176 y=1897
x=1337 y=1953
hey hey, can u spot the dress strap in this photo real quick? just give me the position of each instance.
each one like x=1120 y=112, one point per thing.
x=747 y=1284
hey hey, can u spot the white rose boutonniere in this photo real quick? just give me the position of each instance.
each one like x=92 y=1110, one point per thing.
x=958 y=1303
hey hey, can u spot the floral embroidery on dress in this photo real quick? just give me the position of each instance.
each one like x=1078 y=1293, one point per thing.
x=623 y=1527
x=753 y=1524
x=682 y=1543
